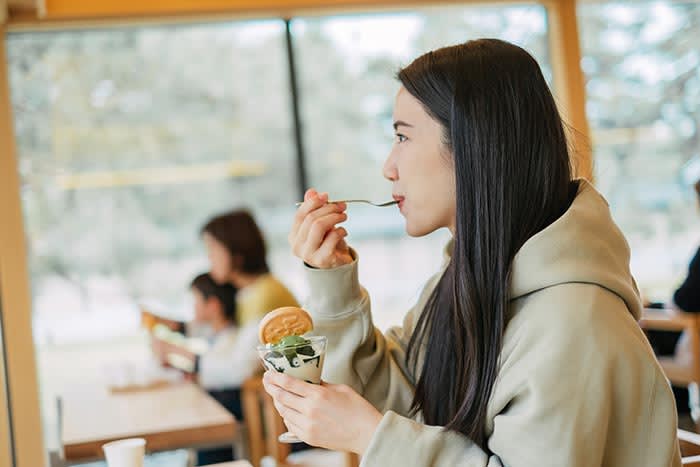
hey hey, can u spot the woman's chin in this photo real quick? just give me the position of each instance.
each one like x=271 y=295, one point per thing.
x=414 y=230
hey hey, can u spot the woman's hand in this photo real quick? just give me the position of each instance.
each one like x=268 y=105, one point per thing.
x=314 y=236
x=331 y=416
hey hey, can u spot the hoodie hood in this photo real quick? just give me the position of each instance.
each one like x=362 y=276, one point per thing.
x=583 y=246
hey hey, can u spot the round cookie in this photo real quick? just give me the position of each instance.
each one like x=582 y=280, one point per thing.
x=282 y=322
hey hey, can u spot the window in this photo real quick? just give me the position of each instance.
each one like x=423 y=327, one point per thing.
x=347 y=67
x=642 y=62
x=128 y=141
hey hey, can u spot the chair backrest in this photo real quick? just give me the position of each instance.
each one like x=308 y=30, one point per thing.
x=263 y=423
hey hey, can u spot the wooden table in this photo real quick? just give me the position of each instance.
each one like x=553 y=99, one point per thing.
x=173 y=417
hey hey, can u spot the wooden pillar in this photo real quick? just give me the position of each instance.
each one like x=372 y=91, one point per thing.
x=24 y=413
x=569 y=81
x=5 y=444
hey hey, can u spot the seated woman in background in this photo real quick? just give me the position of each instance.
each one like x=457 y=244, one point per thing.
x=237 y=256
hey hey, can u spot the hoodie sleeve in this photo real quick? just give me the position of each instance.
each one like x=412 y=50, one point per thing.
x=372 y=363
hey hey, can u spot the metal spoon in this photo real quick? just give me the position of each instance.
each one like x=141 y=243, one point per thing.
x=379 y=205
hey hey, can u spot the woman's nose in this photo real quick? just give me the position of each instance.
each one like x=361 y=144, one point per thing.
x=389 y=170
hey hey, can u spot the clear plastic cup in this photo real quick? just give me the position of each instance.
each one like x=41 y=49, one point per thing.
x=302 y=361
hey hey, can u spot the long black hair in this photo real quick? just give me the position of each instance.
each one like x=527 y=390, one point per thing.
x=513 y=178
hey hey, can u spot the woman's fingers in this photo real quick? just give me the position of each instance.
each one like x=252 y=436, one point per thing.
x=284 y=398
x=289 y=384
x=312 y=201
x=310 y=193
x=295 y=429
x=320 y=229
x=284 y=410
x=299 y=232
x=314 y=237
x=325 y=254
x=315 y=228
x=294 y=420
x=292 y=407
x=313 y=216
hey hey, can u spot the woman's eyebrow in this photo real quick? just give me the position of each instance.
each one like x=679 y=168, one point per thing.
x=399 y=123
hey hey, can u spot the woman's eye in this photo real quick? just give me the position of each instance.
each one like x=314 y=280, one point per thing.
x=400 y=138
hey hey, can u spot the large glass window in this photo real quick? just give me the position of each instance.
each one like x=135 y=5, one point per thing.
x=128 y=141
x=641 y=62
x=347 y=67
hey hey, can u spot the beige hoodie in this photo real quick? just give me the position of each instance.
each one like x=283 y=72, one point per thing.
x=578 y=384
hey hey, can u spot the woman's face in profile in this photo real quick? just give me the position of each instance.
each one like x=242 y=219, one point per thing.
x=420 y=167
x=220 y=263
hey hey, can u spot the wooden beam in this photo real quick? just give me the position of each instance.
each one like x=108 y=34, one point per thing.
x=14 y=293
x=235 y=10
x=3 y=12
x=569 y=80
x=73 y=9
x=116 y=9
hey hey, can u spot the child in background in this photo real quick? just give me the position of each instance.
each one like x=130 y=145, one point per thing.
x=230 y=358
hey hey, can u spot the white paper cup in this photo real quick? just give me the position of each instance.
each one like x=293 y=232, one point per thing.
x=125 y=452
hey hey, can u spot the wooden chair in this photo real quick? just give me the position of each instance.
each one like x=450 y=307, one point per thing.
x=680 y=373
x=264 y=425
x=258 y=406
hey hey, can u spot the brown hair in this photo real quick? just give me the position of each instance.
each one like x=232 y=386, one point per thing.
x=239 y=233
